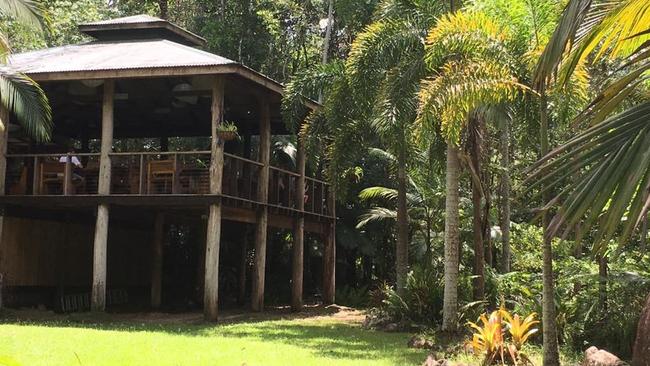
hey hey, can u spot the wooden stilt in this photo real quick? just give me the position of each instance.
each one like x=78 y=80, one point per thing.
x=243 y=265
x=157 y=260
x=211 y=289
x=98 y=301
x=299 y=233
x=257 y=295
x=4 y=135
x=329 y=254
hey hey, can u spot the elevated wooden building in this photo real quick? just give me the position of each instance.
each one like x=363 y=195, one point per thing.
x=93 y=217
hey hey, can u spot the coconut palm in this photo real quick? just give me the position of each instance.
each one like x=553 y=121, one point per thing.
x=465 y=56
x=19 y=94
x=609 y=161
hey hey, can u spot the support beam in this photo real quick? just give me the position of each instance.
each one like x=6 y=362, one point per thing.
x=257 y=295
x=329 y=253
x=213 y=240
x=299 y=232
x=157 y=260
x=98 y=301
x=4 y=136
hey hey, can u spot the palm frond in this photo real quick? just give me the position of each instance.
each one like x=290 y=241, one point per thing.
x=461 y=87
x=307 y=83
x=29 y=12
x=376 y=214
x=26 y=100
x=611 y=176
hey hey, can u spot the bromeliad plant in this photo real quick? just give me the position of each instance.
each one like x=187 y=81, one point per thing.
x=490 y=339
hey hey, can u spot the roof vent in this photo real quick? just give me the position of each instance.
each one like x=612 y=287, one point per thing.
x=140 y=27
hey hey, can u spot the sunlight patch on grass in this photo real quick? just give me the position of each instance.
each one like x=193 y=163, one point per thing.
x=281 y=342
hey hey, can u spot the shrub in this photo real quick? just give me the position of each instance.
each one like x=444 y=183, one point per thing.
x=490 y=340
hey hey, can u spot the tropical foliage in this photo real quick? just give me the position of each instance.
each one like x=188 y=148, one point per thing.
x=491 y=337
x=19 y=94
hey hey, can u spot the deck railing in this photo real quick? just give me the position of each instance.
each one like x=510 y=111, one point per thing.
x=160 y=173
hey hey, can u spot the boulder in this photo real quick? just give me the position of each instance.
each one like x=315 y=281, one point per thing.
x=641 y=353
x=433 y=361
x=599 y=357
x=419 y=342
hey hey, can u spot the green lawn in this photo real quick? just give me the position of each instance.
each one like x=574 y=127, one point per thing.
x=278 y=342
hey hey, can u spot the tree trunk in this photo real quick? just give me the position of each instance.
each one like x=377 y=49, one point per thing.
x=505 y=196
x=164 y=8
x=401 y=249
x=328 y=32
x=452 y=238
x=550 y=345
x=477 y=212
x=602 y=283
x=644 y=232
x=641 y=352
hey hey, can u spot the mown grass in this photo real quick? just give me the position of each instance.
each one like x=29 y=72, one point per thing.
x=279 y=342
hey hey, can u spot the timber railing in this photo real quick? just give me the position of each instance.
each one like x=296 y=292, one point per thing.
x=161 y=173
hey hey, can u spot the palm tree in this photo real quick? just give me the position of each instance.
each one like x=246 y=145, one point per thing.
x=385 y=66
x=465 y=55
x=609 y=161
x=19 y=94
x=423 y=195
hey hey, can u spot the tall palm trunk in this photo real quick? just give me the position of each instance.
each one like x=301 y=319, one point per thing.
x=504 y=188
x=450 y=301
x=401 y=249
x=550 y=345
x=603 y=270
x=328 y=32
x=644 y=232
x=475 y=142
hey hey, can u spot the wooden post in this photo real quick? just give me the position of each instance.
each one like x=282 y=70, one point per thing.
x=67 y=175
x=157 y=260
x=297 y=263
x=211 y=284
x=141 y=176
x=329 y=254
x=257 y=295
x=98 y=302
x=4 y=135
x=243 y=265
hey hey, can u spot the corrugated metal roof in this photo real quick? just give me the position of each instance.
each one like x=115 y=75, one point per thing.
x=117 y=55
x=137 y=26
x=142 y=18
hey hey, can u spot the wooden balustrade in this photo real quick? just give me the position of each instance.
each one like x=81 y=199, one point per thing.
x=161 y=173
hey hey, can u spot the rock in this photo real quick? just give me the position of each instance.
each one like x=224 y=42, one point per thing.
x=419 y=342
x=641 y=352
x=599 y=357
x=432 y=361
x=391 y=327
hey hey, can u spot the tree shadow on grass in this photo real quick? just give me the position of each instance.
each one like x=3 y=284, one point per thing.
x=324 y=338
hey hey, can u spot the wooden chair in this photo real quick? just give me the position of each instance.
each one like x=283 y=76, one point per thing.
x=162 y=173
x=51 y=174
x=20 y=186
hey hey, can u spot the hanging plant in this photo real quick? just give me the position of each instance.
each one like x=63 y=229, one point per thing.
x=227 y=131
